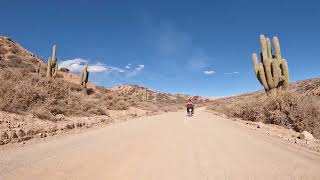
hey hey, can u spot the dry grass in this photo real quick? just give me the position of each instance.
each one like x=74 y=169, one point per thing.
x=290 y=109
x=25 y=92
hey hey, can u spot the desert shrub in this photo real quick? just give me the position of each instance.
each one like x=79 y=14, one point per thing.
x=103 y=89
x=66 y=70
x=290 y=109
x=32 y=60
x=75 y=87
x=117 y=105
x=121 y=105
x=59 y=75
x=98 y=111
x=14 y=61
x=43 y=113
x=14 y=50
x=3 y=50
x=90 y=91
x=21 y=93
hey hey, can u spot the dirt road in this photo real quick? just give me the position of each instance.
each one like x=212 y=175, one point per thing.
x=164 y=147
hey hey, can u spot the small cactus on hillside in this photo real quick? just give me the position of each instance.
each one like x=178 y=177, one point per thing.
x=145 y=94
x=52 y=68
x=38 y=68
x=272 y=72
x=84 y=76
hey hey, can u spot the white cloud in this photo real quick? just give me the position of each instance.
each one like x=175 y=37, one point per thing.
x=77 y=64
x=135 y=71
x=140 y=67
x=209 y=72
x=73 y=64
x=97 y=68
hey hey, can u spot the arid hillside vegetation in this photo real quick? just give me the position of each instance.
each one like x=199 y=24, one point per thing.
x=27 y=91
x=299 y=108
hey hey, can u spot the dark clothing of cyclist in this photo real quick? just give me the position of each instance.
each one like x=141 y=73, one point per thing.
x=190 y=106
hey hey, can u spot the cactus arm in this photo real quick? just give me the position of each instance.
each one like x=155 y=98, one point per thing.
x=262 y=77
x=49 y=68
x=255 y=63
x=268 y=73
x=81 y=77
x=259 y=73
x=269 y=48
x=54 y=53
x=86 y=74
x=264 y=50
x=285 y=73
x=38 y=68
x=55 y=69
x=85 y=77
x=276 y=45
x=275 y=72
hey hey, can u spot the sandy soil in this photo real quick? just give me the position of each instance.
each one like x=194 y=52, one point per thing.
x=166 y=146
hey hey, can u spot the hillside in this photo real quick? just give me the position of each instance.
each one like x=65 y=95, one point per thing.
x=33 y=105
x=298 y=109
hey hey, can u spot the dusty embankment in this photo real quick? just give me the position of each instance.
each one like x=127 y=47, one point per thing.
x=15 y=128
x=166 y=146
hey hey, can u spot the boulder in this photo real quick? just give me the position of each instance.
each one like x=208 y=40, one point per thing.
x=305 y=135
x=4 y=138
x=21 y=133
x=60 y=117
x=13 y=135
x=66 y=70
x=4 y=135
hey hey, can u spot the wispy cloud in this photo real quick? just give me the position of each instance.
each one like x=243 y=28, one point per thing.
x=128 y=66
x=175 y=47
x=209 y=72
x=140 y=67
x=171 y=41
x=73 y=64
x=77 y=64
x=200 y=62
x=135 y=71
x=231 y=73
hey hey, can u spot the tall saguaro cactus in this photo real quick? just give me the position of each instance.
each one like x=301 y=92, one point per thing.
x=52 y=68
x=84 y=76
x=272 y=72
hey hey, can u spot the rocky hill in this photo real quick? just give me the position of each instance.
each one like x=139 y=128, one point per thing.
x=32 y=104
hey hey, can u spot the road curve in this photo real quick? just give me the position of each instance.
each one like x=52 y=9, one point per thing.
x=168 y=146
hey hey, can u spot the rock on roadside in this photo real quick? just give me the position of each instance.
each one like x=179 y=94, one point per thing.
x=305 y=135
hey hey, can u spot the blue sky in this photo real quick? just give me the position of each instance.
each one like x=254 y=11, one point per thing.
x=196 y=47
